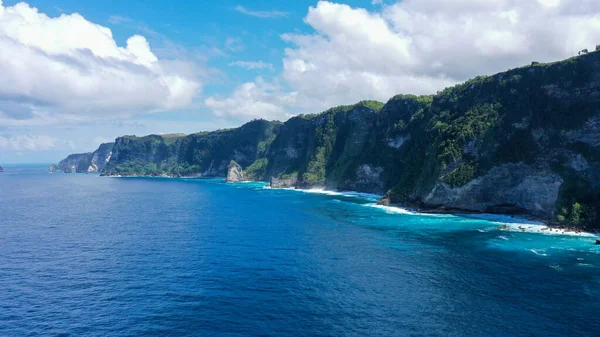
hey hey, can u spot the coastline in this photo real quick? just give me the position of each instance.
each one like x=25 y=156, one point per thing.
x=506 y=222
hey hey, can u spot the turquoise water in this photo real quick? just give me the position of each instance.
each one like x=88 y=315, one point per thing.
x=88 y=255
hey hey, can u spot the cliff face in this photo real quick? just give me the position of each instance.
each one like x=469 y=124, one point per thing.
x=100 y=157
x=86 y=162
x=523 y=141
x=526 y=141
x=327 y=150
x=206 y=154
x=234 y=172
x=78 y=162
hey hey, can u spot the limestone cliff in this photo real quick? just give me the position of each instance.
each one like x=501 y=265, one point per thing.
x=234 y=172
x=85 y=162
x=204 y=154
x=525 y=141
x=78 y=162
x=100 y=157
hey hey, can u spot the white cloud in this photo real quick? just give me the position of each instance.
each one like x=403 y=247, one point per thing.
x=27 y=143
x=69 y=65
x=261 y=14
x=118 y=19
x=234 y=44
x=252 y=65
x=253 y=100
x=421 y=46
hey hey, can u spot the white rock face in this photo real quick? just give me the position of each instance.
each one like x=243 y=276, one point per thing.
x=234 y=172
x=509 y=186
x=92 y=168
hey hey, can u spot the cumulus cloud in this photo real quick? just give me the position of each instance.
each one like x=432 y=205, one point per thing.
x=254 y=99
x=421 y=46
x=251 y=65
x=27 y=143
x=69 y=65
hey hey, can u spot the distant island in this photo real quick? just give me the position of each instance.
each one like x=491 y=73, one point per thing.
x=525 y=141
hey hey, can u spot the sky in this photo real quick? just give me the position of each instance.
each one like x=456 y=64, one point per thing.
x=74 y=74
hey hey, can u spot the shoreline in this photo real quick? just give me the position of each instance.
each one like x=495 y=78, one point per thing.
x=506 y=222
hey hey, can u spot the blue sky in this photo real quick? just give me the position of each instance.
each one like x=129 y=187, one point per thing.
x=78 y=73
x=199 y=26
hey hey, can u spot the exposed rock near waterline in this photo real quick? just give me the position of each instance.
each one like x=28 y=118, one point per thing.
x=234 y=172
x=284 y=182
x=508 y=188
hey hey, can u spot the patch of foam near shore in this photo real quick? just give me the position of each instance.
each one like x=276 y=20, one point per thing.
x=342 y=193
x=332 y=193
x=517 y=224
x=392 y=209
x=542 y=229
x=400 y=210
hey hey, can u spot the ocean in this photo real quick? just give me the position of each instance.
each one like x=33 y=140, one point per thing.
x=83 y=255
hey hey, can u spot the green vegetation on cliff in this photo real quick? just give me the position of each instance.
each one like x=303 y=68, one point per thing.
x=200 y=154
x=526 y=140
x=87 y=162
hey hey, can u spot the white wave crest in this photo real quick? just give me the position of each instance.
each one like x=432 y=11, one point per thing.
x=537 y=253
x=541 y=229
x=391 y=209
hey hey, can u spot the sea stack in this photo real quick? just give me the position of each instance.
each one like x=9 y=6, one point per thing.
x=53 y=168
x=1 y=168
x=234 y=172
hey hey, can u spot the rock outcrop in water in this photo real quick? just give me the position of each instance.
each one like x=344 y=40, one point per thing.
x=1 y=168
x=289 y=181
x=234 y=172
x=53 y=168
x=526 y=141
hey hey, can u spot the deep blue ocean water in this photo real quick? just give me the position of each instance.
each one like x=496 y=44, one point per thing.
x=94 y=256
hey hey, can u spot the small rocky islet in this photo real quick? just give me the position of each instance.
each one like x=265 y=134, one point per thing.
x=523 y=142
